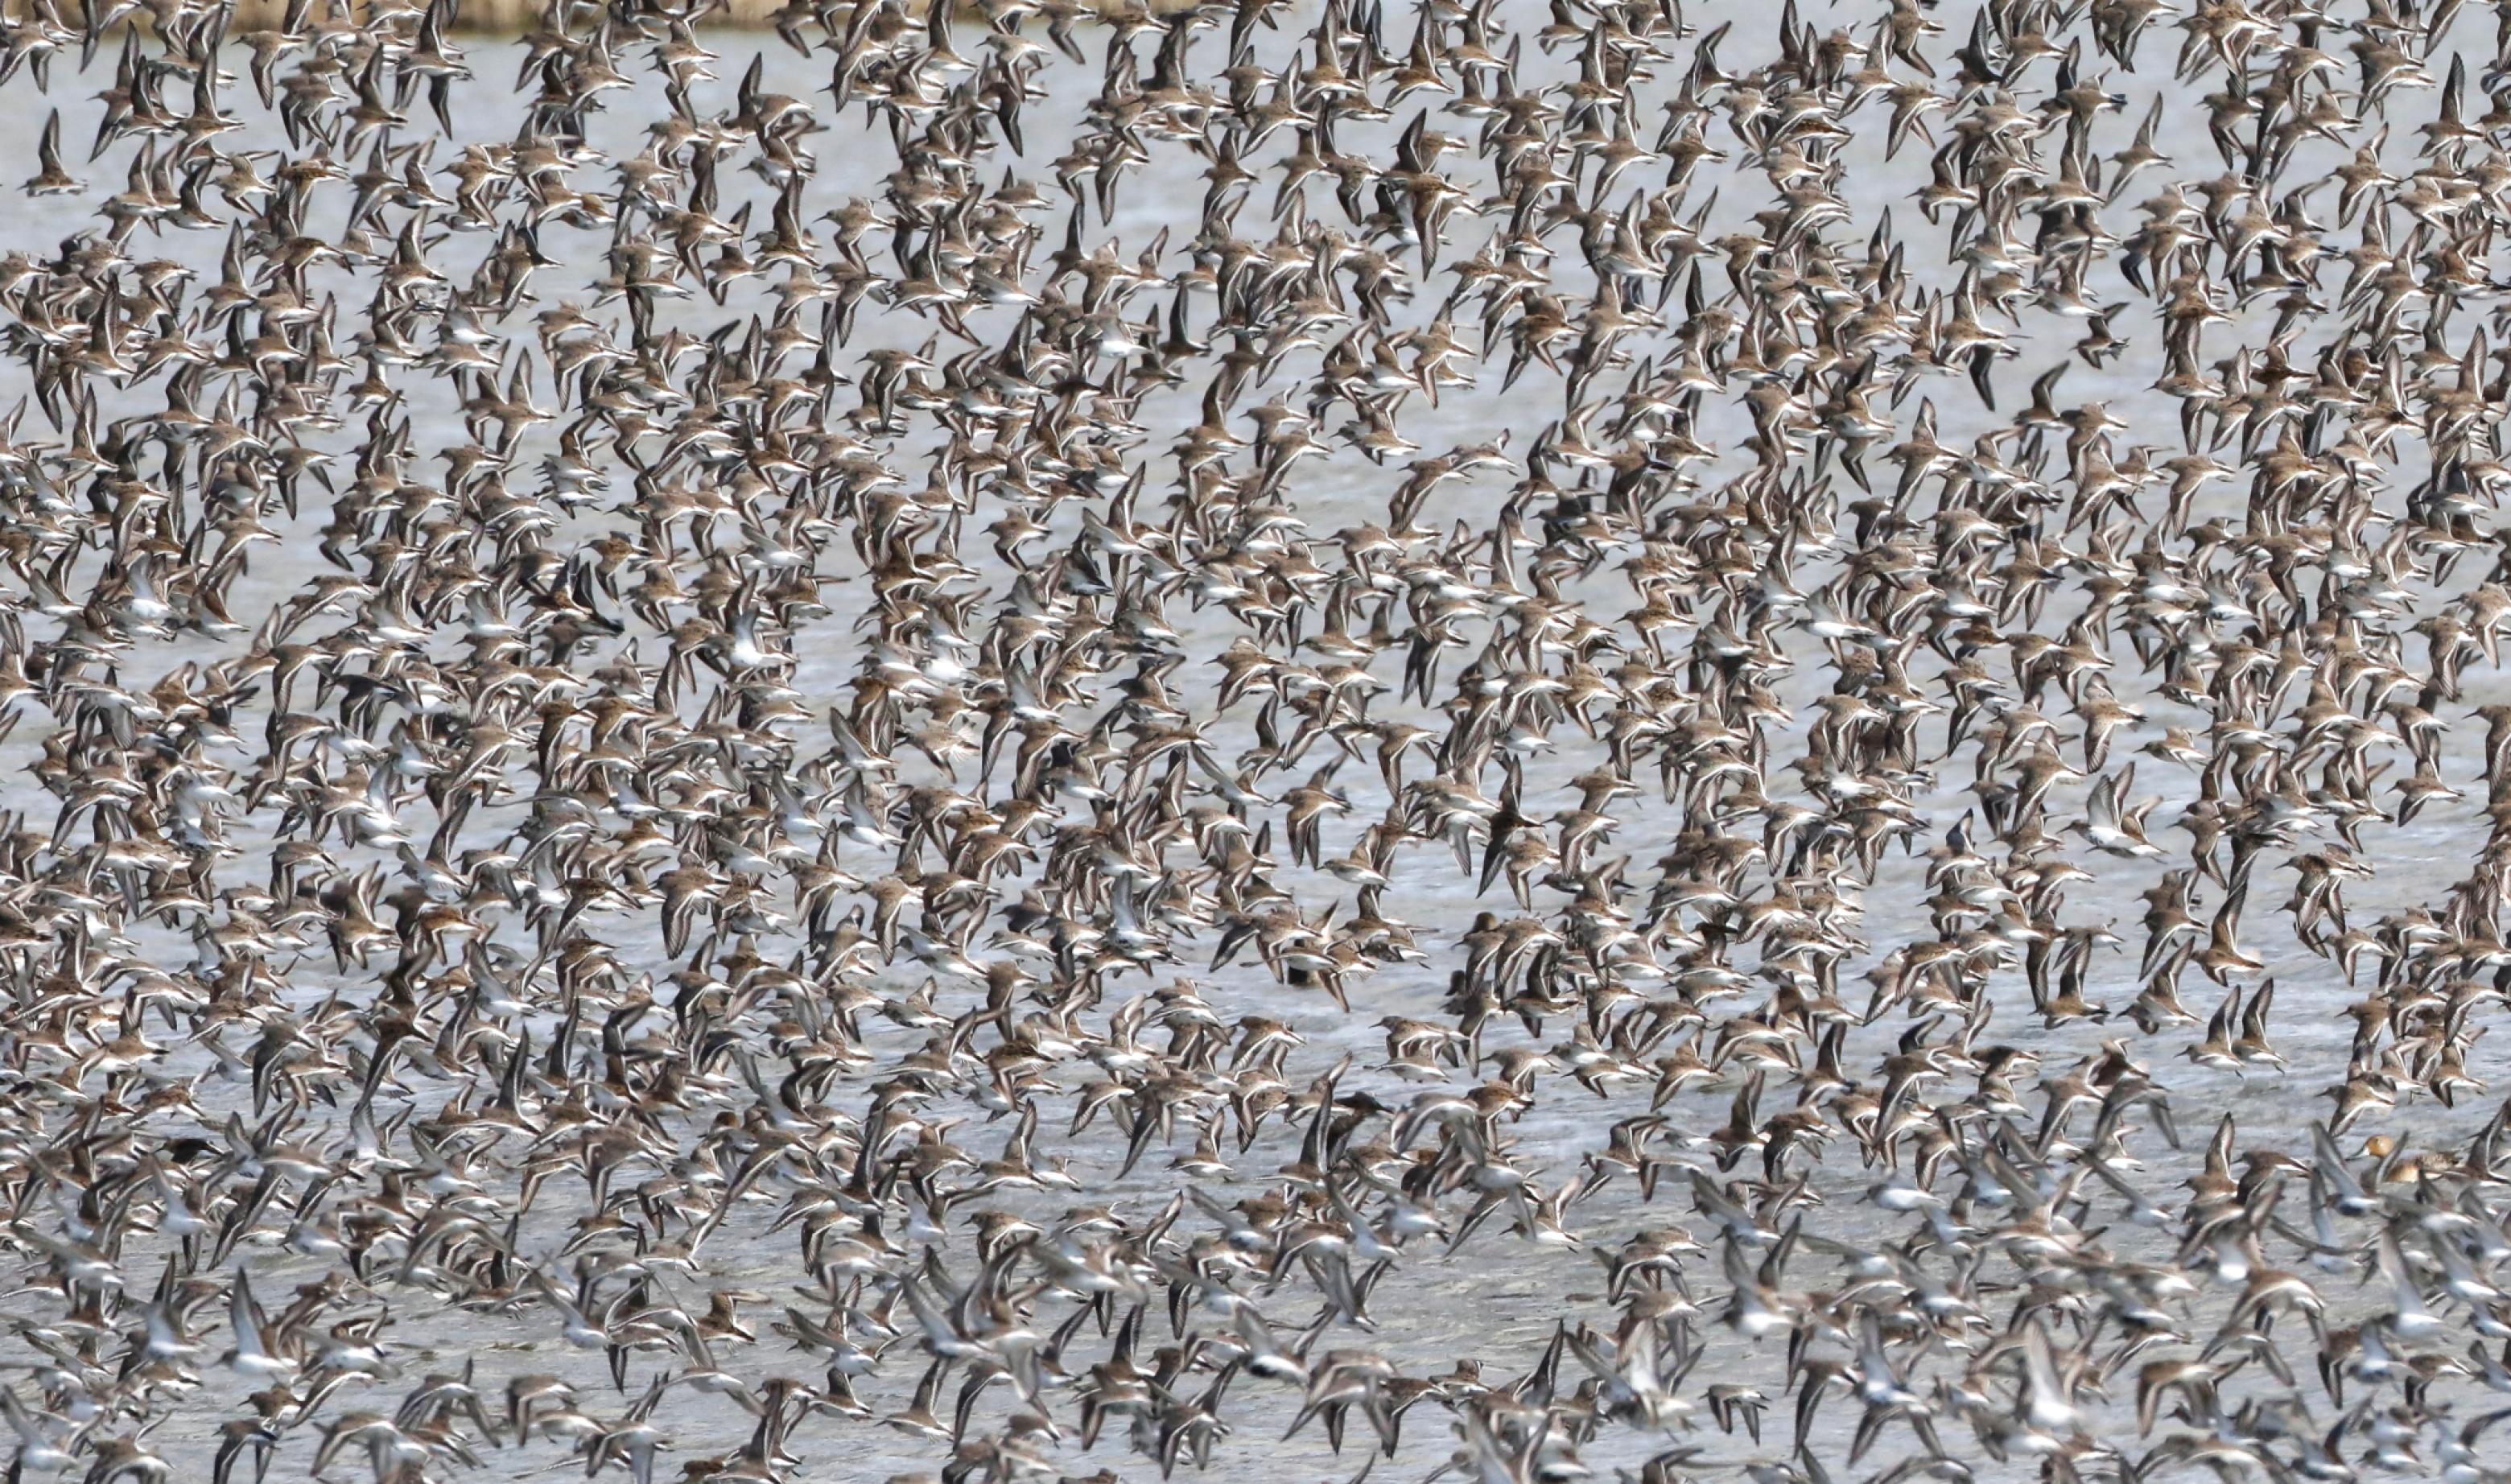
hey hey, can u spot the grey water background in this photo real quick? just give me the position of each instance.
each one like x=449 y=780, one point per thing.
x=1500 y=1298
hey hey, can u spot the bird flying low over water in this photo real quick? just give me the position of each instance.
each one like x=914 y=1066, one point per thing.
x=1034 y=741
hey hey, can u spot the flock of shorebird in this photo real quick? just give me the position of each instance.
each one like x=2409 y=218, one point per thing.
x=794 y=844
